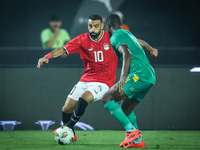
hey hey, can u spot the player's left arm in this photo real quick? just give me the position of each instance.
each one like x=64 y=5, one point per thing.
x=145 y=45
x=53 y=54
x=123 y=49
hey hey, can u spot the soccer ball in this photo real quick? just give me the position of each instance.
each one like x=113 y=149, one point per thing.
x=64 y=135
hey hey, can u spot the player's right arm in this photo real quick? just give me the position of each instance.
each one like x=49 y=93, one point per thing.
x=53 y=54
x=123 y=49
x=145 y=45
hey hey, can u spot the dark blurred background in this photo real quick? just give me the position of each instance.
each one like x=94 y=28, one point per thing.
x=28 y=94
x=163 y=23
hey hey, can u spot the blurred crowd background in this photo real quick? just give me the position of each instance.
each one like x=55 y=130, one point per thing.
x=162 y=23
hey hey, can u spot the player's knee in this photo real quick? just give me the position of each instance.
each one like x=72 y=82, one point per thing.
x=67 y=109
x=127 y=111
x=106 y=98
x=87 y=96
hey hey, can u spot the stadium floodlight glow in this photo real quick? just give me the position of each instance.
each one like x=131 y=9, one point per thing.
x=195 y=69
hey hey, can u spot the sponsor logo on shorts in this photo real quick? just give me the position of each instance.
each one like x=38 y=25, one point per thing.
x=99 y=88
x=96 y=91
x=132 y=88
x=127 y=79
x=135 y=78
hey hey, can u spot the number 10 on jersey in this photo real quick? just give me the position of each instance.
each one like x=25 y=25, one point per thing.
x=98 y=56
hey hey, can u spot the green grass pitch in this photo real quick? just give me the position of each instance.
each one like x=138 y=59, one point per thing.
x=98 y=140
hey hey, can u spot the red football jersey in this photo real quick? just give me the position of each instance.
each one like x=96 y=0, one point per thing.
x=98 y=57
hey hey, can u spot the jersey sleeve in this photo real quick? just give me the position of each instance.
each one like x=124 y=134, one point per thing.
x=73 y=46
x=117 y=40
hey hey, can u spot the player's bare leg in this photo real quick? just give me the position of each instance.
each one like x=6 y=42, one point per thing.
x=88 y=96
x=69 y=105
x=109 y=101
x=128 y=105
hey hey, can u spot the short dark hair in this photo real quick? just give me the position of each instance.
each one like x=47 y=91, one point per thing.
x=113 y=20
x=95 y=17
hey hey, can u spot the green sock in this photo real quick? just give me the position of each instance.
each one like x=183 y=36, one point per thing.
x=116 y=111
x=132 y=119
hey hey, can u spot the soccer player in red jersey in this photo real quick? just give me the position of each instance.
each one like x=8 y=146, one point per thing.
x=100 y=62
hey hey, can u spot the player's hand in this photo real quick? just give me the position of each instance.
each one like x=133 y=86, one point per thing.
x=154 y=52
x=41 y=60
x=57 y=31
x=121 y=83
x=116 y=86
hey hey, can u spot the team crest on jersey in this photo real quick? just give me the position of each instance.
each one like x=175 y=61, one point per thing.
x=106 y=46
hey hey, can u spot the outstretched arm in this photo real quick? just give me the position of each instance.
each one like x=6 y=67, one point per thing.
x=145 y=45
x=53 y=54
x=123 y=49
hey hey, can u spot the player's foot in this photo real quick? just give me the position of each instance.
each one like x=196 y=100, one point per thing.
x=75 y=138
x=133 y=145
x=130 y=137
x=54 y=132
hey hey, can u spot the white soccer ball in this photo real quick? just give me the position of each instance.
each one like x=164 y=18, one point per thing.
x=64 y=135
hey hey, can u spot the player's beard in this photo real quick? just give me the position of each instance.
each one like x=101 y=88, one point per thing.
x=94 y=35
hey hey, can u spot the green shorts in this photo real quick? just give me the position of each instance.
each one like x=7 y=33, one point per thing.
x=135 y=87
